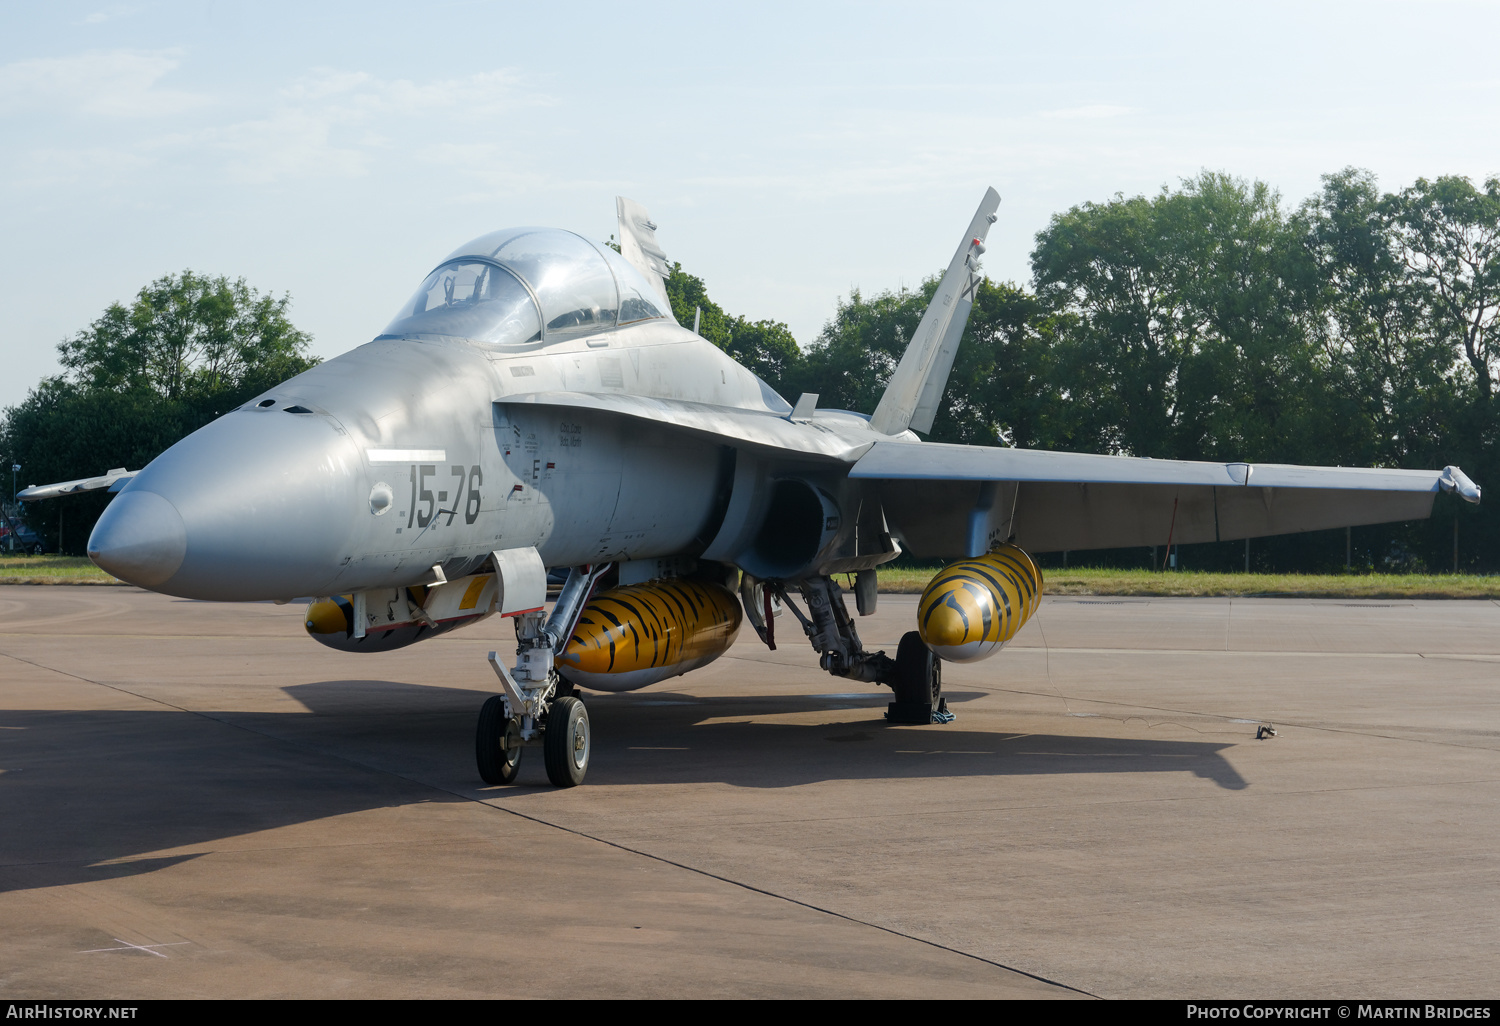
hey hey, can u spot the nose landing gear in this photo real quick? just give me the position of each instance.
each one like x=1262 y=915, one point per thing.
x=539 y=707
x=497 y=743
x=565 y=745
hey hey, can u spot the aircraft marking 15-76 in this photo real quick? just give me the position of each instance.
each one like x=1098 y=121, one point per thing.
x=534 y=405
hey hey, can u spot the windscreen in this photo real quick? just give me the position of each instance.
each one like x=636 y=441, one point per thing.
x=638 y=300
x=474 y=300
x=571 y=279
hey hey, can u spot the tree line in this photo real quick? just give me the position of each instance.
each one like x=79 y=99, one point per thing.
x=1209 y=321
x=186 y=350
x=1213 y=322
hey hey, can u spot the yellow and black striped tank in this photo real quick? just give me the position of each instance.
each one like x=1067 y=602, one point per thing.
x=631 y=637
x=974 y=606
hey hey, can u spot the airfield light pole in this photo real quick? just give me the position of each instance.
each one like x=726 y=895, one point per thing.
x=15 y=468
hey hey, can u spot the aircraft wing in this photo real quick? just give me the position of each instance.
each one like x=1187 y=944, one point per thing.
x=114 y=480
x=951 y=500
x=757 y=428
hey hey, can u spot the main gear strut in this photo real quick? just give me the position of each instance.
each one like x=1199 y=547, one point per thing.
x=915 y=675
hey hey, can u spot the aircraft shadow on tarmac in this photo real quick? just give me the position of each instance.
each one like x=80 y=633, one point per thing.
x=81 y=790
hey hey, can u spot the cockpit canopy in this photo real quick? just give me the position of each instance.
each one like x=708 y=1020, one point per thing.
x=525 y=285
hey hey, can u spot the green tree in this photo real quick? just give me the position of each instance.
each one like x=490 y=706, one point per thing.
x=1188 y=335
x=1395 y=381
x=188 y=349
x=1104 y=263
x=856 y=353
x=1003 y=386
x=1006 y=387
x=188 y=336
x=765 y=347
x=1449 y=233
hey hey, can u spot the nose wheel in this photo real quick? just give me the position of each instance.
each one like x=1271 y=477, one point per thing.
x=497 y=743
x=566 y=742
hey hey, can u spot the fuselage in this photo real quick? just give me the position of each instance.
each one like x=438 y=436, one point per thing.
x=419 y=449
x=402 y=454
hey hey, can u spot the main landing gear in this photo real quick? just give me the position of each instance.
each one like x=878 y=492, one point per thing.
x=539 y=708
x=918 y=684
x=915 y=675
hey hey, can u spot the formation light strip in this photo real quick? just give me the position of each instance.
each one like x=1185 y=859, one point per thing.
x=406 y=455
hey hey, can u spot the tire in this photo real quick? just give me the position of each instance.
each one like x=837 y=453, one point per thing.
x=919 y=682
x=497 y=744
x=567 y=742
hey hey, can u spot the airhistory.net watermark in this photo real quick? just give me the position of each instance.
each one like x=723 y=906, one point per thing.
x=47 y=1010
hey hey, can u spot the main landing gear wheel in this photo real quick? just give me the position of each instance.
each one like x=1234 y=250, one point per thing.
x=497 y=743
x=919 y=683
x=566 y=743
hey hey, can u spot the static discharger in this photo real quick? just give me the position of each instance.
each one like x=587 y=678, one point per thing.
x=974 y=606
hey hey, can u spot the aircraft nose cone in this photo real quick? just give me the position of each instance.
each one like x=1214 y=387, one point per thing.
x=140 y=539
x=262 y=504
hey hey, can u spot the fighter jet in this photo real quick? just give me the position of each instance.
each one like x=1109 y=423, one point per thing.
x=534 y=406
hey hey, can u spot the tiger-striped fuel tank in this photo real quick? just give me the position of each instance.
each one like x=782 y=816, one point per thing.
x=973 y=607
x=637 y=635
x=397 y=617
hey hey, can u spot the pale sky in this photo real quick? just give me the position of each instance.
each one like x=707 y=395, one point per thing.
x=789 y=152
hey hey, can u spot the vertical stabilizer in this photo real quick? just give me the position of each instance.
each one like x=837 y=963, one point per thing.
x=638 y=245
x=911 y=399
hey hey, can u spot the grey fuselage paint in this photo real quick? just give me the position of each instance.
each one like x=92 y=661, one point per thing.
x=418 y=452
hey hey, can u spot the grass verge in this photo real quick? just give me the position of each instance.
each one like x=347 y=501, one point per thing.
x=1190 y=583
x=1072 y=581
x=51 y=570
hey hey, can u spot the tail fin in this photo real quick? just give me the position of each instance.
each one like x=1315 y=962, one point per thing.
x=638 y=245
x=911 y=399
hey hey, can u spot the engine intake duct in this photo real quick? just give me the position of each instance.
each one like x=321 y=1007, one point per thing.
x=800 y=521
x=974 y=606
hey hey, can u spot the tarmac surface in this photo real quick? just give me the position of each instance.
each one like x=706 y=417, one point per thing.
x=196 y=800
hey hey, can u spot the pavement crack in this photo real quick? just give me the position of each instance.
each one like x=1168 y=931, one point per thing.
x=1125 y=717
x=579 y=833
x=780 y=897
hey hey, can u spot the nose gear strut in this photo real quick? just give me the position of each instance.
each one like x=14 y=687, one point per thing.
x=537 y=703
